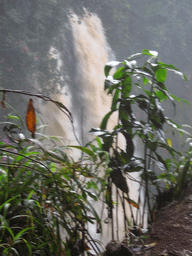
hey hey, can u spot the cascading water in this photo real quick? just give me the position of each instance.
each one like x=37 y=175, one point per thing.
x=86 y=99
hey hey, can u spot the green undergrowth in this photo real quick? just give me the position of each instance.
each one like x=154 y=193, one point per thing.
x=44 y=192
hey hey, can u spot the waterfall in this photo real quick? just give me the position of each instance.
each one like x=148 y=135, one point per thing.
x=86 y=99
x=85 y=96
x=92 y=52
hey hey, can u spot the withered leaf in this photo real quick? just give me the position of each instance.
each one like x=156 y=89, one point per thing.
x=31 y=118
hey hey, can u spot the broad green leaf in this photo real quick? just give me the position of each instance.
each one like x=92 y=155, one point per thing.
x=129 y=145
x=161 y=95
x=152 y=145
x=126 y=87
x=161 y=74
x=119 y=73
x=119 y=180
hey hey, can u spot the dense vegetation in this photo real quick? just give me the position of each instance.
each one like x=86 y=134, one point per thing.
x=44 y=192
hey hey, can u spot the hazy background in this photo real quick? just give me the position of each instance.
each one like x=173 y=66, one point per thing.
x=83 y=44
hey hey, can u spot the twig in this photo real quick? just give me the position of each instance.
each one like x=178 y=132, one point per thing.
x=46 y=98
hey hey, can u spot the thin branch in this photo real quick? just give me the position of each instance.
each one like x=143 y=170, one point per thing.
x=46 y=98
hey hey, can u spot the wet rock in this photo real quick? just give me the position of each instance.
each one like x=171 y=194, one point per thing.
x=115 y=248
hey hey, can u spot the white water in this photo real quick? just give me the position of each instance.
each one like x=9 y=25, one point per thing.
x=92 y=52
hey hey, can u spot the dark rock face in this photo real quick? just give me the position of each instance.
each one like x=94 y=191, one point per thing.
x=115 y=248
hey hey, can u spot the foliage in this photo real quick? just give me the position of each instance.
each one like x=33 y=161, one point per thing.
x=44 y=192
x=148 y=83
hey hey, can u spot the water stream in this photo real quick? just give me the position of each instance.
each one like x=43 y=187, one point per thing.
x=87 y=101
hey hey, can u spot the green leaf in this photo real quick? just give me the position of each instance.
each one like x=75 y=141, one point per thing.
x=9 y=200
x=105 y=120
x=161 y=74
x=109 y=66
x=133 y=166
x=179 y=99
x=163 y=65
x=169 y=142
x=13 y=117
x=16 y=112
x=161 y=160
x=108 y=141
x=119 y=73
x=10 y=232
x=60 y=104
x=129 y=145
x=182 y=178
x=152 y=145
x=145 y=80
x=85 y=150
x=161 y=95
x=29 y=246
x=161 y=86
x=126 y=87
x=18 y=236
x=114 y=102
x=146 y=52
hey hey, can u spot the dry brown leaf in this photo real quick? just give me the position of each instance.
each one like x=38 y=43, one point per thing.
x=31 y=118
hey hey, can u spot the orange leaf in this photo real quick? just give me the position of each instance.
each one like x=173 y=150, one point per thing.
x=30 y=118
x=132 y=202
